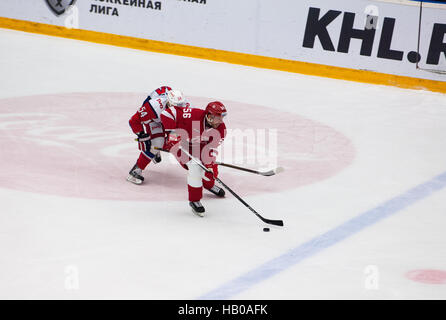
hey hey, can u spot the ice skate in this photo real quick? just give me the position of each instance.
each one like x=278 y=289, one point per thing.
x=197 y=208
x=135 y=175
x=157 y=158
x=219 y=192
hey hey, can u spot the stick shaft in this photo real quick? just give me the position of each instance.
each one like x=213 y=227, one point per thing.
x=274 y=222
x=238 y=168
x=268 y=173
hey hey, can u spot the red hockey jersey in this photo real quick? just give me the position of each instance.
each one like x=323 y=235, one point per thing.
x=190 y=125
x=150 y=110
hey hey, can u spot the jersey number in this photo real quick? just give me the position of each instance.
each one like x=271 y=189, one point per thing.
x=142 y=111
x=186 y=113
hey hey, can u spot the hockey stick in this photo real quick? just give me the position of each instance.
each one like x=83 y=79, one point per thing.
x=273 y=222
x=262 y=173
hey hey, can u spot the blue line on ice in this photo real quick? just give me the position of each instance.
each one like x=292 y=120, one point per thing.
x=326 y=240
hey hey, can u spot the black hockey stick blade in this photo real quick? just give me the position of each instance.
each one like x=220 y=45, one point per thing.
x=273 y=222
x=269 y=221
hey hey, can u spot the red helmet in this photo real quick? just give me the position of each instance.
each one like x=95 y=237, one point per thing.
x=216 y=108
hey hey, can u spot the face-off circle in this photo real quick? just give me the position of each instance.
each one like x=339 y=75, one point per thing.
x=81 y=145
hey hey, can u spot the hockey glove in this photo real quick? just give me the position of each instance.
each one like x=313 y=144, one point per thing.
x=142 y=136
x=213 y=167
x=143 y=141
x=171 y=140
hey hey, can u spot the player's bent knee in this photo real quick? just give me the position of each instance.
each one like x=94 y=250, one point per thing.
x=194 y=176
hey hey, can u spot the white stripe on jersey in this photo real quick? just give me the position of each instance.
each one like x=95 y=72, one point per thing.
x=174 y=113
x=170 y=113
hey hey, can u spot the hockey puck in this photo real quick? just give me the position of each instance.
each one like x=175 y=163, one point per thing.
x=266 y=229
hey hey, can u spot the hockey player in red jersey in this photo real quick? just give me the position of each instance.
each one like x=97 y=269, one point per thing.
x=146 y=124
x=200 y=132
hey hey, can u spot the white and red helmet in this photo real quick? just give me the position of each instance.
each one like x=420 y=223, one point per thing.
x=175 y=98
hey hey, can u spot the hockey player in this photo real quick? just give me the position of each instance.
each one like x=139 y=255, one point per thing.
x=200 y=132
x=146 y=124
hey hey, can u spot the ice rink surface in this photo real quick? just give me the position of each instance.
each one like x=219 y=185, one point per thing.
x=363 y=194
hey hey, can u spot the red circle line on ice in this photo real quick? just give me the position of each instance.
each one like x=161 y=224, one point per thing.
x=80 y=145
x=429 y=276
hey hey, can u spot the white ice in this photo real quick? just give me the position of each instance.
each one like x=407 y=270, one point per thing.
x=72 y=248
